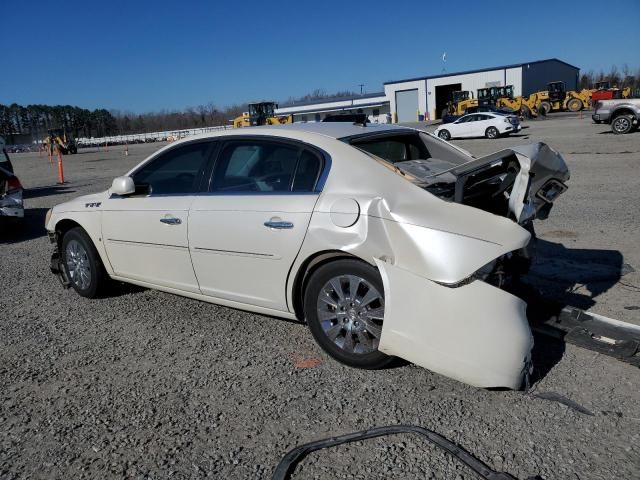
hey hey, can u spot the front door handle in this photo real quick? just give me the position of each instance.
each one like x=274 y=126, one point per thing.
x=171 y=221
x=278 y=224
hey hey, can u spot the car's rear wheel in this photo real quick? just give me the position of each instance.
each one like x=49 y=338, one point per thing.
x=622 y=124
x=574 y=105
x=444 y=134
x=82 y=263
x=344 y=308
x=492 y=132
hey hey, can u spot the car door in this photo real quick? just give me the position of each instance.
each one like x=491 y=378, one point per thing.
x=462 y=127
x=481 y=124
x=245 y=233
x=145 y=234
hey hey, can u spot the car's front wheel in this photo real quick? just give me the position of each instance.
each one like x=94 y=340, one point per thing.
x=344 y=308
x=492 y=132
x=82 y=263
x=444 y=134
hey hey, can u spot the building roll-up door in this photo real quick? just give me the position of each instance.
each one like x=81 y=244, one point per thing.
x=407 y=105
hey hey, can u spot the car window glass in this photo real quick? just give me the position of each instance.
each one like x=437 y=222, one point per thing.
x=395 y=149
x=178 y=170
x=255 y=167
x=307 y=172
x=390 y=150
x=465 y=119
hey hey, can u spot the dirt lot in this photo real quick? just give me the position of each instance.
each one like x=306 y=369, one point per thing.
x=149 y=385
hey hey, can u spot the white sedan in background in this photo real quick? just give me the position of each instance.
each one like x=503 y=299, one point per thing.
x=485 y=124
x=387 y=241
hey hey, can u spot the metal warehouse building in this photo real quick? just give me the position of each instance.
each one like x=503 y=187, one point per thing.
x=375 y=104
x=426 y=97
x=429 y=95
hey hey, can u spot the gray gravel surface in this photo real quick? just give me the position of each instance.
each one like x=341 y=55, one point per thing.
x=145 y=384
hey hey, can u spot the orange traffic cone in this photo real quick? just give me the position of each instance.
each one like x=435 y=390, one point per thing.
x=60 y=168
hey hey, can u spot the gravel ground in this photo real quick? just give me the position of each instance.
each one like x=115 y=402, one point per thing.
x=144 y=384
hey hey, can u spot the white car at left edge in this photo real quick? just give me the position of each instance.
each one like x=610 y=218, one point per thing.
x=485 y=124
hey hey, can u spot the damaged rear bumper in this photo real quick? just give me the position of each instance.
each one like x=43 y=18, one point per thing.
x=476 y=333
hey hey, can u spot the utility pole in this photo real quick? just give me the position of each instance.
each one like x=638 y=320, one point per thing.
x=361 y=85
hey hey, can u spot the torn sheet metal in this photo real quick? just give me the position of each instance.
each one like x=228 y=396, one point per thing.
x=476 y=333
x=590 y=331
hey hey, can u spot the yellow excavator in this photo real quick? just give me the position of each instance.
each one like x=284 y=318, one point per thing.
x=460 y=101
x=261 y=113
x=58 y=138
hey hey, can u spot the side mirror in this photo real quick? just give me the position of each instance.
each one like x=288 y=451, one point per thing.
x=123 y=186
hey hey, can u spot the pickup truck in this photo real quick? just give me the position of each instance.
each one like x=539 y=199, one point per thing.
x=623 y=115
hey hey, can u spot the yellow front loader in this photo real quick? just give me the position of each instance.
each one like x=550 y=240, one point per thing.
x=261 y=113
x=460 y=101
x=58 y=138
x=557 y=99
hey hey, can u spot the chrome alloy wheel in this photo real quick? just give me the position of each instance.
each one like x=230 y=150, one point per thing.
x=351 y=311
x=621 y=124
x=78 y=265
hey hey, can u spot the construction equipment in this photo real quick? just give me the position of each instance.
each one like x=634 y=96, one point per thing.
x=261 y=113
x=58 y=138
x=460 y=101
x=490 y=95
x=604 y=92
x=524 y=106
x=557 y=98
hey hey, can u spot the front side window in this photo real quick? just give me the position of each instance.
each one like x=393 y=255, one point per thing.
x=176 y=171
x=259 y=166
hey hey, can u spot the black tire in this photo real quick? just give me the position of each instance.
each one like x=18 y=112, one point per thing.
x=444 y=135
x=525 y=112
x=622 y=124
x=316 y=287
x=574 y=105
x=492 y=132
x=97 y=276
x=544 y=108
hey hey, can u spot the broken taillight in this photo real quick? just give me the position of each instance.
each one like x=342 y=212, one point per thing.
x=13 y=185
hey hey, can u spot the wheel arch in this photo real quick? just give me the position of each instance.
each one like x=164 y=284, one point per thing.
x=91 y=225
x=622 y=111
x=306 y=269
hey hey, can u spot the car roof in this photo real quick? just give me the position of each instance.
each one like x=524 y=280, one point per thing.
x=340 y=130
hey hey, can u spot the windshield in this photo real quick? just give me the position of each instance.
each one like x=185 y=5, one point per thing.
x=261 y=109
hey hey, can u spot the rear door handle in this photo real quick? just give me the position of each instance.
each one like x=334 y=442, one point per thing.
x=171 y=221
x=278 y=224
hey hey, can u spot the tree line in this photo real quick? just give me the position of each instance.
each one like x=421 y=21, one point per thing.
x=35 y=120
x=620 y=77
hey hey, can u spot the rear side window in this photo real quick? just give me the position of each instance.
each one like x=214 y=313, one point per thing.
x=260 y=166
x=395 y=149
x=176 y=171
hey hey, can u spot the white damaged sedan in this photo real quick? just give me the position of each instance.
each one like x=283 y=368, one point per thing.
x=388 y=241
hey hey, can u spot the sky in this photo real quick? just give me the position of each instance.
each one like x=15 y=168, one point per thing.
x=141 y=56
